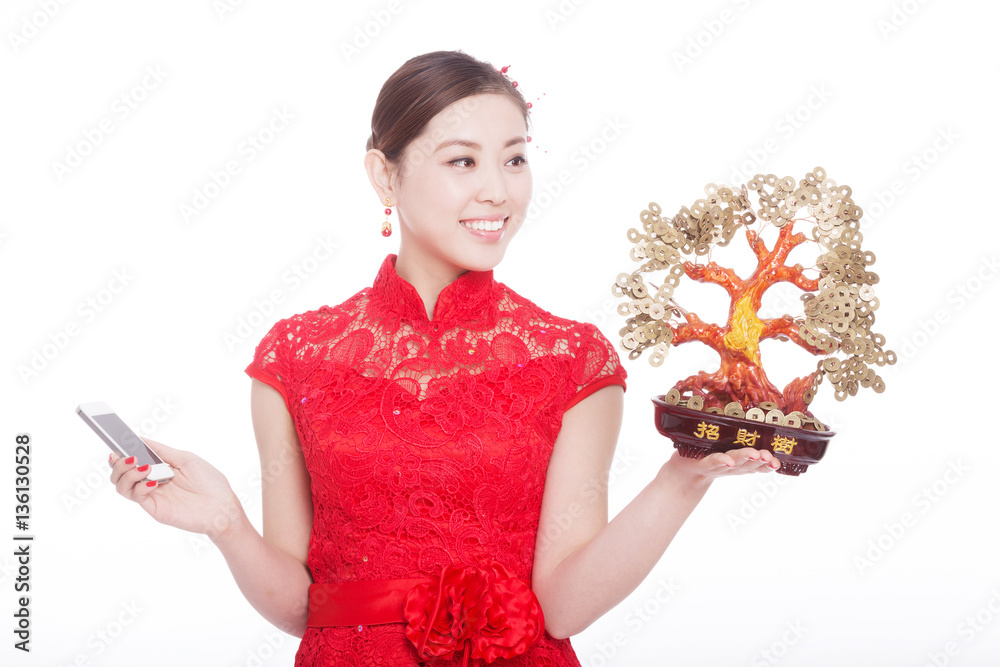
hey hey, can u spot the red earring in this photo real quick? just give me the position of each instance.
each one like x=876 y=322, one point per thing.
x=386 y=225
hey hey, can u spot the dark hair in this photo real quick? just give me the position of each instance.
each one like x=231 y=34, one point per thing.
x=422 y=88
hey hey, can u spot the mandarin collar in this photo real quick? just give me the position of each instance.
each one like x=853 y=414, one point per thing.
x=471 y=296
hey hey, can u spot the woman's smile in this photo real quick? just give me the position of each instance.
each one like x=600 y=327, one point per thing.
x=489 y=228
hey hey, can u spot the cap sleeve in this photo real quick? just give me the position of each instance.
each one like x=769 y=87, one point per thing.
x=596 y=365
x=273 y=358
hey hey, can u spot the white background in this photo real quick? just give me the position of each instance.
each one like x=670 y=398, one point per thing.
x=852 y=555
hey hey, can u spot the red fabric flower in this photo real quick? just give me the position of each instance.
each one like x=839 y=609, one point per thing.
x=485 y=613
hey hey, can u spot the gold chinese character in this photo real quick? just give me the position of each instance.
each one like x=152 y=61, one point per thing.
x=707 y=431
x=783 y=444
x=745 y=438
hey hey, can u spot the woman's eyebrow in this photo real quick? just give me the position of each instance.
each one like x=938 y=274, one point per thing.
x=475 y=146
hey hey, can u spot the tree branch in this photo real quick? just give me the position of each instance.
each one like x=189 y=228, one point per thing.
x=787 y=242
x=794 y=275
x=695 y=329
x=769 y=260
x=713 y=273
x=787 y=326
x=758 y=247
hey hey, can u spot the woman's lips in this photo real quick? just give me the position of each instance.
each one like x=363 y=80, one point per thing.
x=490 y=229
x=484 y=224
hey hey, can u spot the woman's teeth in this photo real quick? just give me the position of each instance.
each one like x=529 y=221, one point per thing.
x=484 y=225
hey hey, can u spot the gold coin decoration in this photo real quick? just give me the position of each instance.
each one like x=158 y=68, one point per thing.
x=837 y=319
x=794 y=419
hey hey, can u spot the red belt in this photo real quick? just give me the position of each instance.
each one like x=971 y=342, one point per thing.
x=358 y=602
x=484 y=613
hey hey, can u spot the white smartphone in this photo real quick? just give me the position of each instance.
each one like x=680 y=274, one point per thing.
x=122 y=440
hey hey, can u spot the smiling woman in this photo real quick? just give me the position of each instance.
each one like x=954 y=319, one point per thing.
x=447 y=145
x=418 y=438
x=460 y=205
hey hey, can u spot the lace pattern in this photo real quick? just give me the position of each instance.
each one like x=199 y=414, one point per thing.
x=427 y=440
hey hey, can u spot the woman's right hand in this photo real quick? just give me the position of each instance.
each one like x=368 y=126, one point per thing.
x=198 y=498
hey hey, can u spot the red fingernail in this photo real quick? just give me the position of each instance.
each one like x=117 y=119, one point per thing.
x=130 y=460
x=143 y=468
x=111 y=459
x=153 y=483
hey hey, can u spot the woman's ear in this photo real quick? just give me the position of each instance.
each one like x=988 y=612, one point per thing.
x=379 y=173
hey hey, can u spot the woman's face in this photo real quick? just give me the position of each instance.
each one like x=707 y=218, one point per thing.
x=463 y=187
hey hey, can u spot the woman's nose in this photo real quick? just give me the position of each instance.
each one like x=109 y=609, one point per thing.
x=493 y=187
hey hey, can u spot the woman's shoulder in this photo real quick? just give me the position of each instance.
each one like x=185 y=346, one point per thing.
x=523 y=308
x=321 y=322
x=592 y=359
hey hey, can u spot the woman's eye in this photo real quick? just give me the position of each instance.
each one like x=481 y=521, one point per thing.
x=516 y=161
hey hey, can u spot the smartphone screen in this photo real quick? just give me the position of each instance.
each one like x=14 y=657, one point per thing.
x=126 y=438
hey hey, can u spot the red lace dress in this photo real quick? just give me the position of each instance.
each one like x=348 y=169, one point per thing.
x=426 y=440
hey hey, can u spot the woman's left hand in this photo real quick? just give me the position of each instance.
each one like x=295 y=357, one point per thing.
x=739 y=461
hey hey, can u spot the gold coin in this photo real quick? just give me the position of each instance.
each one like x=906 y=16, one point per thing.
x=734 y=409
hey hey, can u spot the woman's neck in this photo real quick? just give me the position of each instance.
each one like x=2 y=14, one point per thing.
x=429 y=280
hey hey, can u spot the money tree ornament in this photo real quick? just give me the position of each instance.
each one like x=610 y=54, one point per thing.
x=738 y=405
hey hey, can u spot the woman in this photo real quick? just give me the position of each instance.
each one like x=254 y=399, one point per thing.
x=435 y=450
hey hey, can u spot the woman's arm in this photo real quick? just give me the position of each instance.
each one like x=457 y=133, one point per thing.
x=269 y=570
x=576 y=543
